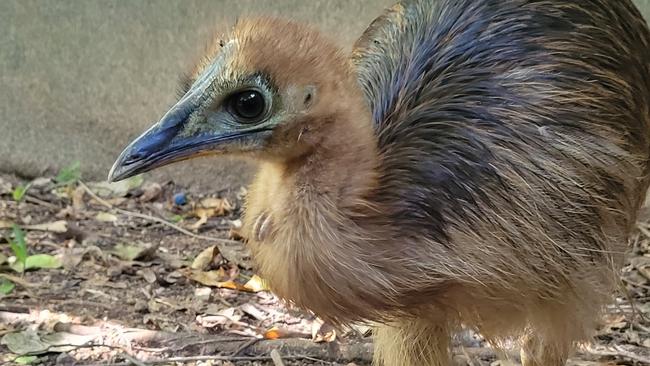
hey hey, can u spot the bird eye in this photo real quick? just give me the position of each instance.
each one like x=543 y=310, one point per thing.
x=247 y=105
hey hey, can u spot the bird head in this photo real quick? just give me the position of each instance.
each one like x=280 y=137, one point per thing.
x=265 y=91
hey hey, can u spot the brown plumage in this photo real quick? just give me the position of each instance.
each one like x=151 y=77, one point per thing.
x=475 y=162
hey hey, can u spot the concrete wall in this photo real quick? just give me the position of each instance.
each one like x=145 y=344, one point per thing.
x=80 y=78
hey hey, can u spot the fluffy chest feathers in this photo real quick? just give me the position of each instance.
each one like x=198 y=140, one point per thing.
x=310 y=252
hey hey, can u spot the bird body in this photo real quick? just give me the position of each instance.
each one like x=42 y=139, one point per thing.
x=474 y=162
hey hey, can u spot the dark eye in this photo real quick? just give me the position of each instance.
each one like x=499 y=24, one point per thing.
x=247 y=105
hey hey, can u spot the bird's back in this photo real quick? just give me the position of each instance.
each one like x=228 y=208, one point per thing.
x=526 y=118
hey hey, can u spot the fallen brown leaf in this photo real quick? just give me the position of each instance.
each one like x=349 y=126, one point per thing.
x=253 y=311
x=210 y=207
x=206 y=258
x=148 y=274
x=105 y=217
x=257 y=284
x=222 y=317
x=323 y=332
x=232 y=285
x=54 y=227
x=207 y=278
x=203 y=214
x=151 y=191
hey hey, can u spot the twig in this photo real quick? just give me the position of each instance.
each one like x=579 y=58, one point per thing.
x=132 y=359
x=17 y=281
x=209 y=341
x=277 y=359
x=37 y=201
x=199 y=358
x=618 y=351
x=152 y=218
x=244 y=346
x=84 y=303
x=320 y=361
x=470 y=360
x=14 y=308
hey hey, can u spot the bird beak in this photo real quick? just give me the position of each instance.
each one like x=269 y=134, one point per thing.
x=157 y=146
x=166 y=142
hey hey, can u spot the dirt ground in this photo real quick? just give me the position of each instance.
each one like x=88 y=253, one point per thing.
x=132 y=276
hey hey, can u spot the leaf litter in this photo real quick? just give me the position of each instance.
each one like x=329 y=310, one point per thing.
x=102 y=270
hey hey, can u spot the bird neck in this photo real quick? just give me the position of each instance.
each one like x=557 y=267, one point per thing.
x=301 y=221
x=341 y=166
x=313 y=213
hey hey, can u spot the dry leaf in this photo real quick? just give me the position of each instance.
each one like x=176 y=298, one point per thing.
x=256 y=284
x=206 y=258
x=207 y=278
x=148 y=274
x=202 y=293
x=173 y=277
x=362 y=329
x=54 y=227
x=221 y=205
x=222 y=317
x=154 y=306
x=235 y=234
x=209 y=207
x=217 y=278
x=232 y=285
x=203 y=215
x=115 y=189
x=116 y=201
x=67 y=212
x=253 y=311
x=151 y=191
x=323 y=332
x=72 y=257
x=40 y=182
x=132 y=252
x=78 y=198
x=105 y=217
x=276 y=358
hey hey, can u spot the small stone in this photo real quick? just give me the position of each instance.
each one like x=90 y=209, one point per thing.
x=151 y=191
x=202 y=293
x=114 y=271
x=147 y=274
x=141 y=306
x=65 y=359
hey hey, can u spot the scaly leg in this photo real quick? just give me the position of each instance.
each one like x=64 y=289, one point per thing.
x=412 y=342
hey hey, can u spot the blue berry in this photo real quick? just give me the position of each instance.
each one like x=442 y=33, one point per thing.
x=180 y=199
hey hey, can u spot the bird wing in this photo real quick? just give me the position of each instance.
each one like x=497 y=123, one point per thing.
x=375 y=68
x=431 y=160
x=477 y=103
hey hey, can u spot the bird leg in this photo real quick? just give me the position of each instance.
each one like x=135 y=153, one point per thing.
x=412 y=342
x=536 y=352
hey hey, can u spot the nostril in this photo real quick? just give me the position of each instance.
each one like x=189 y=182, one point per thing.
x=134 y=157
